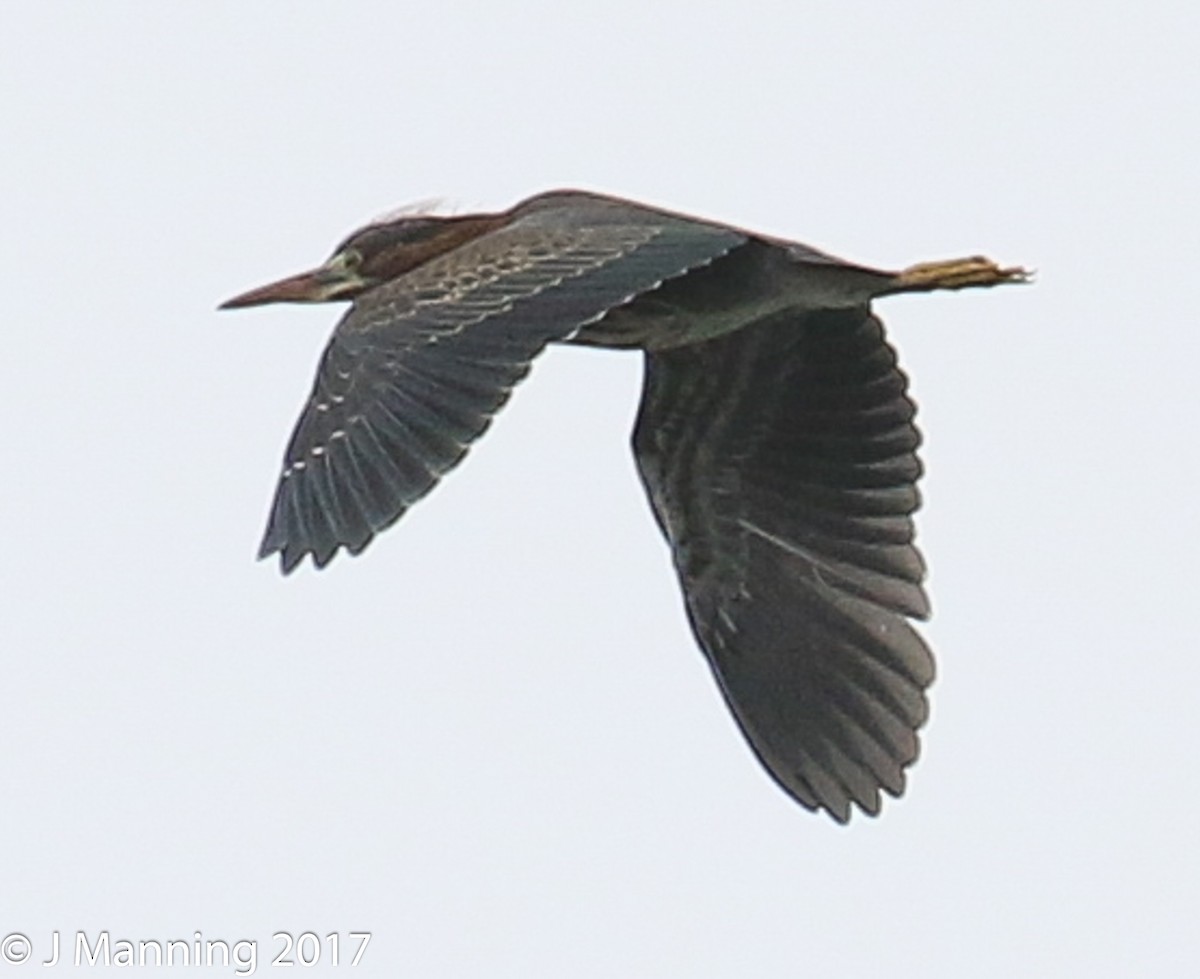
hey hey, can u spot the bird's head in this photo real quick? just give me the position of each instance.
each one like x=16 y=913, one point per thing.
x=372 y=255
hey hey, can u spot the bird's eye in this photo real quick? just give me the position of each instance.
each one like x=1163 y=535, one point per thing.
x=347 y=260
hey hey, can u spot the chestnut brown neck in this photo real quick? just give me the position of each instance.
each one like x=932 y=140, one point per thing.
x=394 y=260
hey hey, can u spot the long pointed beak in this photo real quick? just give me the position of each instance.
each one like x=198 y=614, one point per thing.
x=307 y=287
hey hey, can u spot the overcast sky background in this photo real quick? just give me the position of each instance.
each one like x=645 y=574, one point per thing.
x=490 y=740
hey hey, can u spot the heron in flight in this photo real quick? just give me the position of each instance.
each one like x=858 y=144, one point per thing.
x=775 y=440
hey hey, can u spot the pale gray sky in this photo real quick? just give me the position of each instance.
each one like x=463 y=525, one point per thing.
x=490 y=740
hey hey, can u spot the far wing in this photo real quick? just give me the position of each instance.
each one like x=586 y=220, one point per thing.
x=781 y=464
x=418 y=367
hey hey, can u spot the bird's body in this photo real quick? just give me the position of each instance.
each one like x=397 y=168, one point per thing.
x=775 y=440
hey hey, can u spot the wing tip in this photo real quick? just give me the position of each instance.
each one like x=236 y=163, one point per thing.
x=839 y=803
x=289 y=558
x=292 y=554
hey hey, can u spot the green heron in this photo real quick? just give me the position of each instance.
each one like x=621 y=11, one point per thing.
x=775 y=440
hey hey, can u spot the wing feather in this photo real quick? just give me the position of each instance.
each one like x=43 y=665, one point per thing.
x=418 y=366
x=781 y=463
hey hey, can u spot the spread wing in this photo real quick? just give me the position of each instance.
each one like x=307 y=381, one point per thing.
x=781 y=464
x=418 y=366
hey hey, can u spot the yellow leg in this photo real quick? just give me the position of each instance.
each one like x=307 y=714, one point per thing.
x=959 y=273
